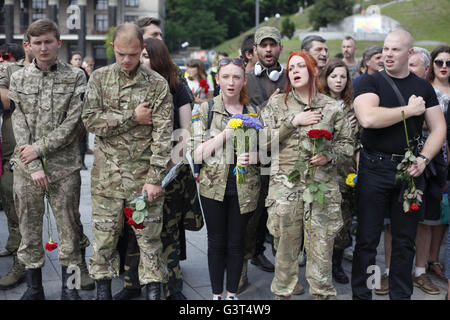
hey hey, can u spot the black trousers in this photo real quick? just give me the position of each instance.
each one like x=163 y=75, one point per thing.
x=378 y=194
x=226 y=228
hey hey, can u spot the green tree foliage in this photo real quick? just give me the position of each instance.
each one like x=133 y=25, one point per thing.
x=108 y=40
x=326 y=11
x=206 y=23
x=287 y=28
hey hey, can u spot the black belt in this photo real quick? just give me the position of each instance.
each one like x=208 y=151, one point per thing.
x=386 y=156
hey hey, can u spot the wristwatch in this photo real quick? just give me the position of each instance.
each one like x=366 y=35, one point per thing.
x=427 y=161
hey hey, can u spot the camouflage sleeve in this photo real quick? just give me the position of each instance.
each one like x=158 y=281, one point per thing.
x=99 y=120
x=67 y=131
x=21 y=130
x=275 y=125
x=343 y=138
x=161 y=146
x=199 y=124
x=4 y=77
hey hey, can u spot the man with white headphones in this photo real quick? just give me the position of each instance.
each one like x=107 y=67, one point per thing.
x=266 y=79
x=268 y=76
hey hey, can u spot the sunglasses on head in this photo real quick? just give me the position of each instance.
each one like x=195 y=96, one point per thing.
x=440 y=63
x=6 y=56
x=236 y=61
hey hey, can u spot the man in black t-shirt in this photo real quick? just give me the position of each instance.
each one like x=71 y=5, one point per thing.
x=379 y=112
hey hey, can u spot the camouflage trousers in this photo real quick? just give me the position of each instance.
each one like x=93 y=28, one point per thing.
x=64 y=202
x=107 y=223
x=321 y=225
x=7 y=196
x=285 y=224
x=177 y=200
x=348 y=209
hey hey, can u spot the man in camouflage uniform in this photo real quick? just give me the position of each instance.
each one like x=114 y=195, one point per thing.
x=129 y=109
x=179 y=197
x=46 y=124
x=288 y=211
x=17 y=272
x=16 y=275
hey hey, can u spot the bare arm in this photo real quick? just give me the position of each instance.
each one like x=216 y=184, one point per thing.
x=4 y=96
x=438 y=128
x=371 y=115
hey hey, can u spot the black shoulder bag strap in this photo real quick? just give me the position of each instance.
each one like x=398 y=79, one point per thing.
x=210 y=113
x=402 y=101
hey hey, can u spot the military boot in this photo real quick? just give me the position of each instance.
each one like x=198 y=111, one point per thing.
x=87 y=283
x=103 y=289
x=14 y=277
x=127 y=294
x=35 y=290
x=66 y=292
x=298 y=290
x=243 y=281
x=337 y=271
x=153 y=291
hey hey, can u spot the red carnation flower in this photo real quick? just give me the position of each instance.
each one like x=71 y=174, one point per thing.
x=50 y=246
x=204 y=85
x=327 y=135
x=128 y=212
x=314 y=133
x=413 y=207
x=134 y=224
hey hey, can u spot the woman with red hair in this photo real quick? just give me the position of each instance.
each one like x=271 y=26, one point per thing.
x=292 y=204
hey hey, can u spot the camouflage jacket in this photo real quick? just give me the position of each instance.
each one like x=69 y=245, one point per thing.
x=127 y=155
x=48 y=104
x=294 y=144
x=214 y=171
x=8 y=140
x=350 y=165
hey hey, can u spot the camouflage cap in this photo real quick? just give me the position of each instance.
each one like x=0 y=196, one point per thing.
x=267 y=32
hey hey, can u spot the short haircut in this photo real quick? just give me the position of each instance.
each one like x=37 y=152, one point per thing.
x=370 y=51
x=247 y=45
x=307 y=42
x=146 y=21
x=14 y=49
x=350 y=38
x=424 y=55
x=124 y=27
x=76 y=53
x=42 y=26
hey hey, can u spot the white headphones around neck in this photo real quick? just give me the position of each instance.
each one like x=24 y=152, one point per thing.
x=274 y=75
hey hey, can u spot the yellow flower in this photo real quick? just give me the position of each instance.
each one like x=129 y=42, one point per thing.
x=235 y=123
x=349 y=181
x=252 y=115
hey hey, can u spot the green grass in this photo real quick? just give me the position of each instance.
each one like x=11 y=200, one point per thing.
x=425 y=19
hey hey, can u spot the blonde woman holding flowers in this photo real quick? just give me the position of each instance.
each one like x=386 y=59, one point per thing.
x=227 y=205
x=304 y=122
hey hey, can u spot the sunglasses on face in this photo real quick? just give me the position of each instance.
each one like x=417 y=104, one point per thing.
x=440 y=63
x=226 y=61
x=6 y=56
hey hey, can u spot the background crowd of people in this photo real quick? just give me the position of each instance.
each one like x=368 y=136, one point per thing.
x=301 y=201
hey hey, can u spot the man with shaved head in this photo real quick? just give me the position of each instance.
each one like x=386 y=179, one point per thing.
x=380 y=100
x=129 y=109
